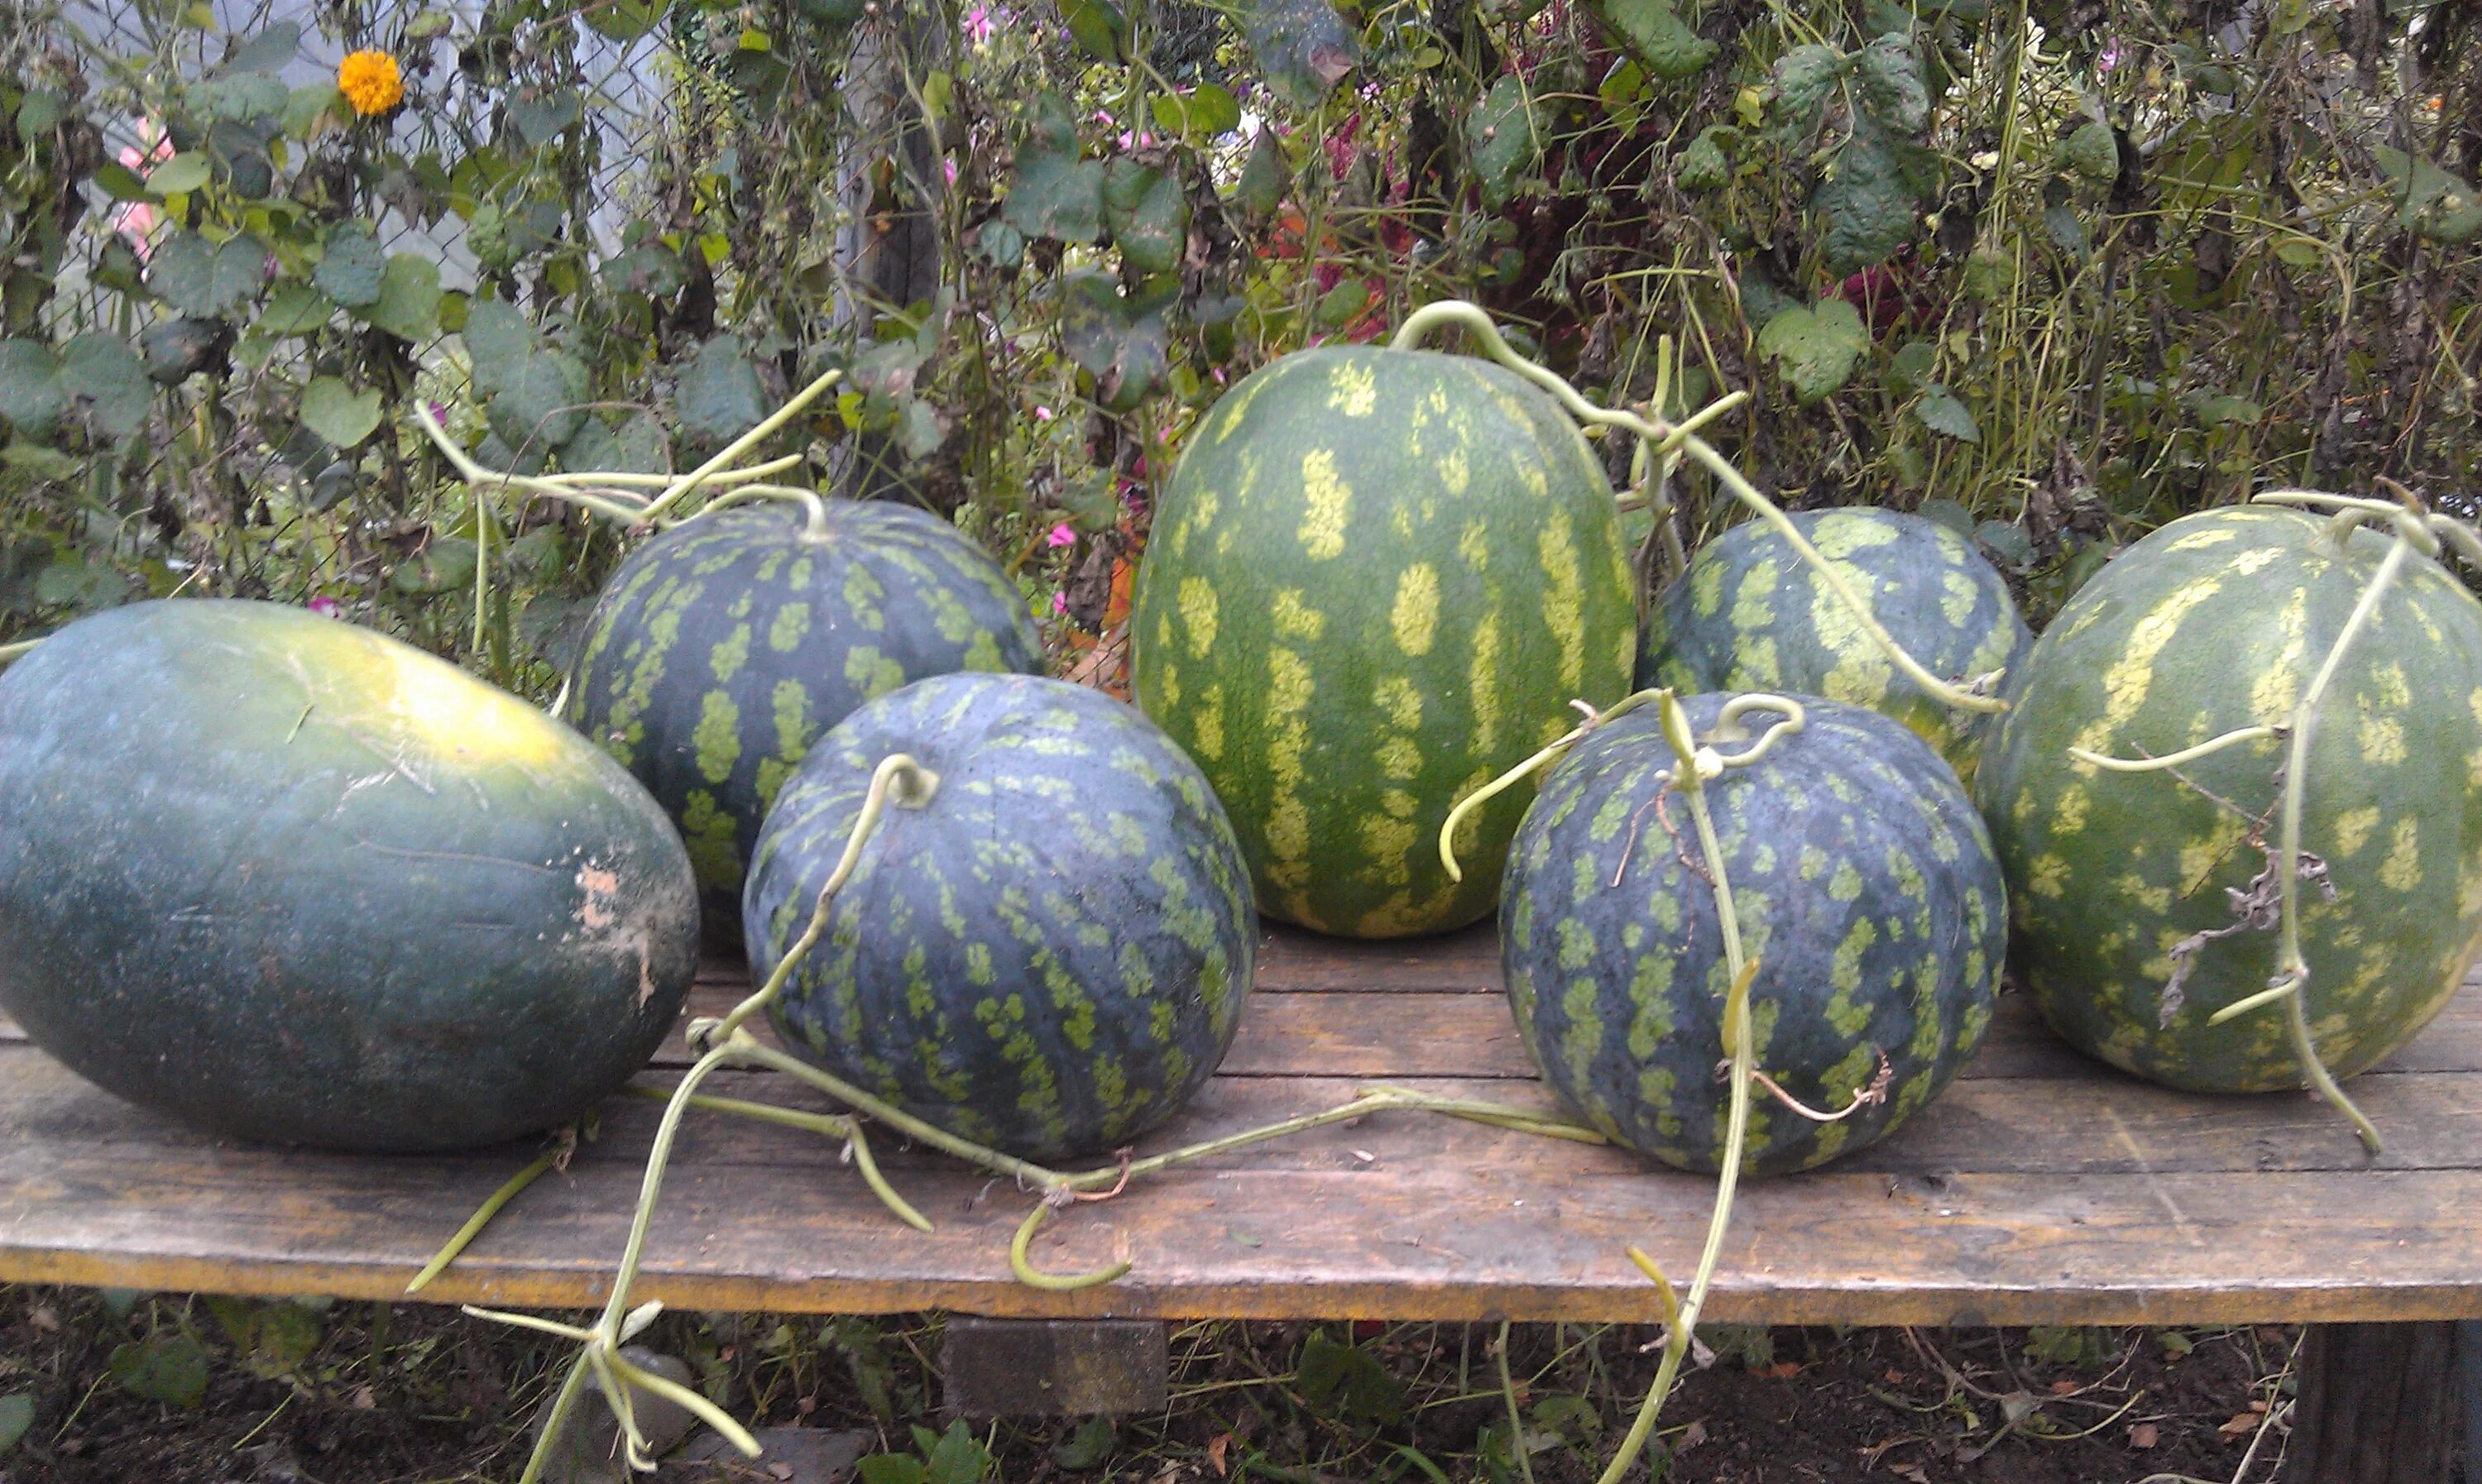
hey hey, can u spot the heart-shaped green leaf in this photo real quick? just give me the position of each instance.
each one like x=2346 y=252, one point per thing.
x=720 y=395
x=31 y=396
x=107 y=383
x=1147 y=213
x=183 y=173
x=337 y=413
x=204 y=279
x=168 y=1366
x=409 y=302
x=351 y=265
x=1814 y=346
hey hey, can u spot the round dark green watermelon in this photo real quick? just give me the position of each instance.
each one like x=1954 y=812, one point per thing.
x=1751 y=614
x=1867 y=895
x=1047 y=958
x=723 y=649
x=289 y=878
x=1376 y=581
x=2214 y=623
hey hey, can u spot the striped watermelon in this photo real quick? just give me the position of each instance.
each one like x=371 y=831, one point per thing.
x=1376 y=581
x=1867 y=895
x=1048 y=957
x=2215 y=623
x=724 y=646
x=1751 y=614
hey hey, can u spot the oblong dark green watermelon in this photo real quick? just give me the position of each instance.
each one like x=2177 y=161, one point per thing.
x=2214 y=623
x=1751 y=614
x=721 y=648
x=1868 y=894
x=1050 y=955
x=290 y=879
x=1375 y=582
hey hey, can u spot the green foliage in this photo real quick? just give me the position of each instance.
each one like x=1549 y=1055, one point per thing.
x=1815 y=347
x=17 y=1416
x=223 y=291
x=1348 y=1384
x=953 y=1457
x=167 y=1366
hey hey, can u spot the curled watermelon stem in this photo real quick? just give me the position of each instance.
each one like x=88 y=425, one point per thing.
x=898 y=780
x=1740 y=1045
x=1871 y=1096
x=1022 y=1266
x=1670 y=441
x=1514 y=776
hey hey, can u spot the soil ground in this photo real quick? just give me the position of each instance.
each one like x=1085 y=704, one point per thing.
x=358 y=1393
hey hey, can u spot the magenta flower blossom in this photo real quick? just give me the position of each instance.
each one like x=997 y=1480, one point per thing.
x=1061 y=536
x=327 y=607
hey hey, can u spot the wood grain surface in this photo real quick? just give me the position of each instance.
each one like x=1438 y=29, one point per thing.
x=2041 y=1188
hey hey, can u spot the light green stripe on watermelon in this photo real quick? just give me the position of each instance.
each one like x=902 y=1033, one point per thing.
x=2215 y=623
x=1751 y=614
x=1376 y=581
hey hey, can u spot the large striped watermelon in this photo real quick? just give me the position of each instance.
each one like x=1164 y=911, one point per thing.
x=725 y=646
x=1048 y=957
x=2212 y=624
x=1867 y=895
x=292 y=880
x=1751 y=614
x=1376 y=581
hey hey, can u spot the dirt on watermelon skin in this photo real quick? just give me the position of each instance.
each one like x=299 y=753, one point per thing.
x=1751 y=614
x=2215 y=623
x=1051 y=955
x=724 y=648
x=1376 y=581
x=1867 y=895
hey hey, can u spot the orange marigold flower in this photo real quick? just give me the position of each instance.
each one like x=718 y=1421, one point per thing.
x=371 y=82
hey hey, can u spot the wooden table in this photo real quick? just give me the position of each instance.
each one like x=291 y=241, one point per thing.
x=2040 y=1188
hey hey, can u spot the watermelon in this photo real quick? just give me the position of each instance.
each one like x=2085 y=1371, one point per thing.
x=1751 y=614
x=1375 y=582
x=1868 y=898
x=721 y=650
x=292 y=880
x=1049 y=956
x=2215 y=623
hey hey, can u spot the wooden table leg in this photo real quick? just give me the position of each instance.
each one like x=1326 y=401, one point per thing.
x=1057 y=1368
x=2378 y=1404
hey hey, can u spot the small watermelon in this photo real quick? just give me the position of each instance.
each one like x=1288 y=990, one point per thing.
x=1049 y=956
x=725 y=646
x=1868 y=898
x=2215 y=623
x=1376 y=581
x=292 y=880
x=1751 y=614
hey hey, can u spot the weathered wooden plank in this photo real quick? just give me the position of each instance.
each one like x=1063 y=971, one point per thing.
x=2041 y=1188
x=1445 y=1221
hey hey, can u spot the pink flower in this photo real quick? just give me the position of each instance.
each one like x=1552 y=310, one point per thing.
x=137 y=220
x=1061 y=536
x=1042 y=415
x=1059 y=602
x=979 y=24
x=327 y=607
x=949 y=168
x=2112 y=57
